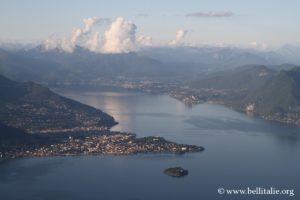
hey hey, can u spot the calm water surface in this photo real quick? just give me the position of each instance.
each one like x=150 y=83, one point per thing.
x=241 y=151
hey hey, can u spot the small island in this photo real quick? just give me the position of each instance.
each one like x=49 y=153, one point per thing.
x=176 y=172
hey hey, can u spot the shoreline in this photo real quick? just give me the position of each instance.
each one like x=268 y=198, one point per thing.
x=269 y=118
x=108 y=143
x=191 y=100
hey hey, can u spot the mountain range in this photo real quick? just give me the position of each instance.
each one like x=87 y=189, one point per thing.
x=271 y=84
x=82 y=66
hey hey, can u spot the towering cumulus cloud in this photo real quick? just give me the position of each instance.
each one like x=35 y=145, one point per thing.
x=94 y=44
x=79 y=33
x=120 y=37
x=180 y=34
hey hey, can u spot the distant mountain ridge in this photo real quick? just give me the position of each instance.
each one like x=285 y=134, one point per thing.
x=223 y=57
x=245 y=77
x=82 y=66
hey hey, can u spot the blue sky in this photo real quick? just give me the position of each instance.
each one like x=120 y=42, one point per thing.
x=274 y=22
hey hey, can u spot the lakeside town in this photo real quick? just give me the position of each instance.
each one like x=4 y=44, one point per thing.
x=112 y=143
x=192 y=97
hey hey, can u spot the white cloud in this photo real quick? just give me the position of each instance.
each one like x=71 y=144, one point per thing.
x=120 y=38
x=78 y=33
x=55 y=43
x=89 y=23
x=66 y=45
x=77 y=36
x=51 y=43
x=257 y=45
x=94 y=43
x=144 y=41
x=180 y=34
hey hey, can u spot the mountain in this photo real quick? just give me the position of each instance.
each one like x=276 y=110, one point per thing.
x=246 y=77
x=214 y=57
x=280 y=95
x=166 y=64
x=34 y=108
x=291 y=53
x=274 y=95
x=80 y=66
x=284 y=66
x=84 y=67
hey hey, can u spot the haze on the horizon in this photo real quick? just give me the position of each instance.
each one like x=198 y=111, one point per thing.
x=121 y=26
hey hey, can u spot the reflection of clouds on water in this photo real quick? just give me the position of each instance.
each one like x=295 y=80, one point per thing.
x=109 y=102
x=117 y=108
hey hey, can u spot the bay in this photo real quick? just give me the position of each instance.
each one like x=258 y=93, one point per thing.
x=240 y=151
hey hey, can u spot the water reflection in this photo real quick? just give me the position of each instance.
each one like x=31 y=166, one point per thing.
x=159 y=114
x=240 y=151
x=110 y=102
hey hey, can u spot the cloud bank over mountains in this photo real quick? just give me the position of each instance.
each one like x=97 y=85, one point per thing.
x=120 y=37
x=78 y=35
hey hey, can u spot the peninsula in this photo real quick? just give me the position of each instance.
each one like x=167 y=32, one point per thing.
x=108 y=143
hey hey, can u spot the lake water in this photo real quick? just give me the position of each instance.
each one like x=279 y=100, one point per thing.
x=240 y=152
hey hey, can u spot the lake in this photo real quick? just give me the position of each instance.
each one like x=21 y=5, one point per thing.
x=240 y=151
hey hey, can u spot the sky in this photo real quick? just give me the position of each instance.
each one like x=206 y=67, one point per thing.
x=263 y=23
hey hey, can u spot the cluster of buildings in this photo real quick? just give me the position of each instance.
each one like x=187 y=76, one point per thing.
x=195 y=96
x=112 y=144
x=53 y=118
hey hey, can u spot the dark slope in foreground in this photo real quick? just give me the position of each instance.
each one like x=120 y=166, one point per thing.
x=11 y=137
x=35 y=108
